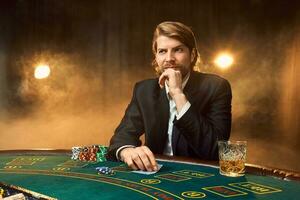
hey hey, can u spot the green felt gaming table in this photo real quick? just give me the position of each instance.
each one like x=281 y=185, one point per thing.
x=54 y=174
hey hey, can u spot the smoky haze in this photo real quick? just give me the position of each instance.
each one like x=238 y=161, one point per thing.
x=98 y=50
x=68 y=108
x=265 y=100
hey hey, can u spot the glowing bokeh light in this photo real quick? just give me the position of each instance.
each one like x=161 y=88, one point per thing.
x=224 y=60
x=42 y=71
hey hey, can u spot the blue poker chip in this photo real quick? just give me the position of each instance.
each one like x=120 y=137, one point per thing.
x=104 y=170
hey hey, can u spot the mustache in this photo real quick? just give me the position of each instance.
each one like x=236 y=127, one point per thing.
x=175 y=66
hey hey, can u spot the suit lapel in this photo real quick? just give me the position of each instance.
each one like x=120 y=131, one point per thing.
x=190 y=89
x=162 y=113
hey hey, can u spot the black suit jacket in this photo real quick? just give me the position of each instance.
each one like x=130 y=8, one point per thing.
x=206 y=121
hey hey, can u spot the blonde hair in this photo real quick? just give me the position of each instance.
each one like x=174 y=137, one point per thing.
x=178 y=31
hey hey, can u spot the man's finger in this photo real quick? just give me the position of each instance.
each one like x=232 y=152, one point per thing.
x=151 y=158
x=162 y=80
x=137 y=161
x=146 y=160
x=130 y=163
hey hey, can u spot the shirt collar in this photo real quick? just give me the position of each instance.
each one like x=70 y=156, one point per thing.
x=184 y=82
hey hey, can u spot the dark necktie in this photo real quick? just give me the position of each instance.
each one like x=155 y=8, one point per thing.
x=175 y=135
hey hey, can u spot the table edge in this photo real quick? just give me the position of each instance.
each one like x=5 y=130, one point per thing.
x=283 y=174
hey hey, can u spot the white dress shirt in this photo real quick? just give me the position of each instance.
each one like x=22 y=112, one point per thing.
x=173 y=112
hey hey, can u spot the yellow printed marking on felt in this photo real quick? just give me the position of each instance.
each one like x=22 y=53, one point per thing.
x=12 y=167
x=193 y=194
x=61 y=168
x=37 y=159
x=72 y=163
x=225 y=193
x=25 y=161
x=193 y=174
x=169 y=177
x=255 y=187
x=150 y=181
x=259 y=189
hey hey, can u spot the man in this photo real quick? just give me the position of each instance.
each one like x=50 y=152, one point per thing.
x=182 y=112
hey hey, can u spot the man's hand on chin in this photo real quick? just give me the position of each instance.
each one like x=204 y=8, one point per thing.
x=174 y=82
x=173 y=78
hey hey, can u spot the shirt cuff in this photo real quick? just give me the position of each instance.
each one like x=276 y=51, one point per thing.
x=183 y=110
x=119 y=150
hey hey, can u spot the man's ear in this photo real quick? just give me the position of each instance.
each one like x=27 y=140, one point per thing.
x=193 y=54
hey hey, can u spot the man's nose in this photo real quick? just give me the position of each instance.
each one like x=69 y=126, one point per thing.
x=170 y=56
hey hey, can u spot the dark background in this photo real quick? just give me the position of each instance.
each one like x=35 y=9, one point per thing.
x=97 y=50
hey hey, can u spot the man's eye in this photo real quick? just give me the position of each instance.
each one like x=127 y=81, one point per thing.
x=161 y=51
x=179 y=50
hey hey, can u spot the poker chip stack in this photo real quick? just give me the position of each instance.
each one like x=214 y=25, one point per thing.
x=95 y=153
x=83 y=155
x=75 y=153
x=101 y=154
x=104 y=170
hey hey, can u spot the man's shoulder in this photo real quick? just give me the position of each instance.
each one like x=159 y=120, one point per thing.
x=147 y=88
x=209 y=77
x=148 y=83
x=209 y=82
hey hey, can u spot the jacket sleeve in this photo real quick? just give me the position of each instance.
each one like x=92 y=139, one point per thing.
x=129 y=130
x=203 y=130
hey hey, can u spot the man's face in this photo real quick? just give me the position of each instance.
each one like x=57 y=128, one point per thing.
x=171 y=53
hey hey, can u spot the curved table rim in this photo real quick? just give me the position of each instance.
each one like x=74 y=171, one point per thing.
x=250 y=168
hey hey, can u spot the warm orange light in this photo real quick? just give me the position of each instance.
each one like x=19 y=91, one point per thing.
x=42 y=71
x=224 y=60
